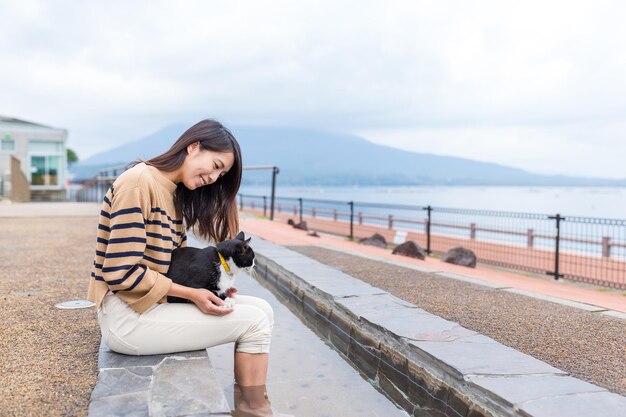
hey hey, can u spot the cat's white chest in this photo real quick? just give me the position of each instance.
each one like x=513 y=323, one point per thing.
x=227 y=280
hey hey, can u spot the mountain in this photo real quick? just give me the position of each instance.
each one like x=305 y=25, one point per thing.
x=313 y=157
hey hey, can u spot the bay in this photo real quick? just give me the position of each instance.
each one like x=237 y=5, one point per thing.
x=598 y=202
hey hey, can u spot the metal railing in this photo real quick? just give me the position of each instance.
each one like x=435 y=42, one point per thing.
x=583 y=249
x=95 y=188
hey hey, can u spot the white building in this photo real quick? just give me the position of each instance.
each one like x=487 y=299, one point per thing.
x=42 y=153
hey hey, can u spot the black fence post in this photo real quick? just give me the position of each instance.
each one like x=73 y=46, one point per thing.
x=351 y=203
x=429 y=209
x=300 y=203
x=240 y=202
x=556 y=273
x=274 y=172
x=264 y=206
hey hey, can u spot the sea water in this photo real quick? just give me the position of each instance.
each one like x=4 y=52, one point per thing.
x=601 y=202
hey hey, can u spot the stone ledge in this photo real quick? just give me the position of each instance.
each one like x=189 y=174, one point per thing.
x=427 y=365
x=178 y=384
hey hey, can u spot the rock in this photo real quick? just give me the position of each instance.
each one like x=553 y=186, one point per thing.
x=376 y=239
x=410 y=249
x=312 y=233
x=290 y=222
x=460 y=256
x=301 y=226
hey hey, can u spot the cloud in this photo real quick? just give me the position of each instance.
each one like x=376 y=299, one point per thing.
x=499 y=77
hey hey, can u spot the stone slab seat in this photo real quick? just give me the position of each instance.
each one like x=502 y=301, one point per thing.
x=177 y=384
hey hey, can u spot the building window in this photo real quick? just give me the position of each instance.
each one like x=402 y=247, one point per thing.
x=45 y=170
x=7 y=145
x=45 y=162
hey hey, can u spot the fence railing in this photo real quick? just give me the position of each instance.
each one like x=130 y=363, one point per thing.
x=583 y=249
x=95 y=188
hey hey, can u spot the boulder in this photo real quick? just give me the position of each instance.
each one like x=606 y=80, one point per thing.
x=410 y=249
x=290 y=222
x=460 y=256
x=302 y=226
x=376 y=239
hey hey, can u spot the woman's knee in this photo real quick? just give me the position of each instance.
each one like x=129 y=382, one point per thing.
x=268 y=310
x=258 y=335
x=259 y=303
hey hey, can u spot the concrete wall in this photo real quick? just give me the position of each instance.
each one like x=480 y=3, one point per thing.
x=20 y=188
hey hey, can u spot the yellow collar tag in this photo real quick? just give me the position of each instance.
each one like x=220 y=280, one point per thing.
x=224 y=264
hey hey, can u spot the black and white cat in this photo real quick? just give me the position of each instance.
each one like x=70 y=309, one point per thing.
x=213 y=267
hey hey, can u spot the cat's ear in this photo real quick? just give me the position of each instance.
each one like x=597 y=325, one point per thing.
x=247 y=240
x=240 y=236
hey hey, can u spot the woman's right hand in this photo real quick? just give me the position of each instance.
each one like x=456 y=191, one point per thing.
x=209 y=303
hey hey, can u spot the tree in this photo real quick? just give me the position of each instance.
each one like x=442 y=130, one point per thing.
x=71 y=156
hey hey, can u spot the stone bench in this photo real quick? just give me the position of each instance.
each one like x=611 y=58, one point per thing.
x=178 y=384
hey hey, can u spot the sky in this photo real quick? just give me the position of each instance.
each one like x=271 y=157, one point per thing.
x=538 y=85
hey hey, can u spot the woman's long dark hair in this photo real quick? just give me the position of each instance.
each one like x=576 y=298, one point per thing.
x=212 y=208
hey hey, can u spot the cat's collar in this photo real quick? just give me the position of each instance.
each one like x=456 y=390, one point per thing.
x=224 y=264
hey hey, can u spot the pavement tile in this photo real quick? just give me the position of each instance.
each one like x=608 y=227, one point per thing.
x=168 y=385
x=484 y=358
x=517 y=389
x=419 y=326
x=119 y=382
x=600 y=404
x=342 y=287
x=130 y=405
x=186 y=386
x=383 y=303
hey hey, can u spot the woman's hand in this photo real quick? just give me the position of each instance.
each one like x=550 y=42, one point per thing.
x=231 y=292
x=209 y=303
x=206 y=301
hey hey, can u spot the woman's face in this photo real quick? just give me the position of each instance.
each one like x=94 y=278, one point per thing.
x=203 y=167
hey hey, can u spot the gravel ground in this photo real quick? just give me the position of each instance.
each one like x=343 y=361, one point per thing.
x=48 y=357
x=590 y=346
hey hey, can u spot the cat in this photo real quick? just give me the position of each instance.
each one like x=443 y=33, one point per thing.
x=203 y=268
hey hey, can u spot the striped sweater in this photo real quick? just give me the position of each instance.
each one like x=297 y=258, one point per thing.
x=138 y=229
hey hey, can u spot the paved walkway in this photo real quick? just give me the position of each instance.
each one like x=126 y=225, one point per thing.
x=49 y=209
x=600 y=297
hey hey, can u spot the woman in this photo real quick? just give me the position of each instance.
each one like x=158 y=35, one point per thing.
x=144 y=217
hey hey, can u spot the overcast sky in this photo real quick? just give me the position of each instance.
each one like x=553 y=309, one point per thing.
x=538 y=85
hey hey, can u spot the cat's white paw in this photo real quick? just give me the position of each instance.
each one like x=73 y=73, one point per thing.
x=229 y=302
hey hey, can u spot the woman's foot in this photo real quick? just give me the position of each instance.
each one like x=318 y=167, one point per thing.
x=253 y=402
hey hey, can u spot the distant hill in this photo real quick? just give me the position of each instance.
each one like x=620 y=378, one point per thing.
x=311 y=157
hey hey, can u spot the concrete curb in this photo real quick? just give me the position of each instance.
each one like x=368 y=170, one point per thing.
x=427 y=365
x=179 y=384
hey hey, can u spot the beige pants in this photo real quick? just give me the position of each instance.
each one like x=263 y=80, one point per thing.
x=167 y=328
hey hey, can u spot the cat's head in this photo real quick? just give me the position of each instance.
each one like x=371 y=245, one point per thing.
x=239 y=250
